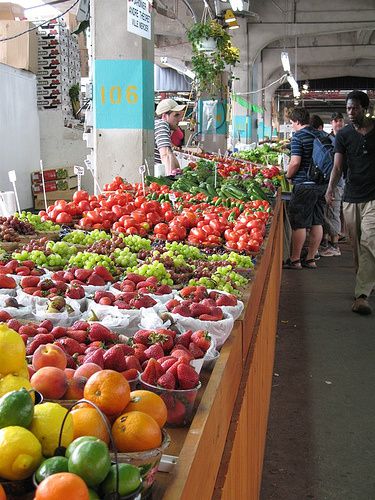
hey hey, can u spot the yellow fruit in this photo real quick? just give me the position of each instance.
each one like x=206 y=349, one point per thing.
x=12 y=350
x=46 y=427
x=14 y=383
x=23 y=371
x=20 y=453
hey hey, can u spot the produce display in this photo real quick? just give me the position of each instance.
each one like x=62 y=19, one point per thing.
x=108 y=310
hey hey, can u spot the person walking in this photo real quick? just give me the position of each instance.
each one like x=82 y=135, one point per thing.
x=169 y=114
x=306 y=205
x=355 y=151
x=332 y=213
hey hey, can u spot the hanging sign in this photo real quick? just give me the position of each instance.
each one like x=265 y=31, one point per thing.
x=139 y=18
x=142 y=170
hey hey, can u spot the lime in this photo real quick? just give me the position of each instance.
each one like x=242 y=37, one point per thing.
x=20 y=453
x=16 y=408
x=91 y=461
x=129 y=480
x=93 y=495
x=51 y=466
x=73 y=445
x=46 y=426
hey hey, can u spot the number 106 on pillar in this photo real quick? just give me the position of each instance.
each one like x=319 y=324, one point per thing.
x=119 y=95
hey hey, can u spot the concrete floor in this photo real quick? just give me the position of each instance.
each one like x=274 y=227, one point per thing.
x=321 y=432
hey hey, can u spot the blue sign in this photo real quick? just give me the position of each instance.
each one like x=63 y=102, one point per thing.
x=124 y=94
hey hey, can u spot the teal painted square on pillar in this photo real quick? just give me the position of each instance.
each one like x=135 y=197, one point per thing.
x=123 y=94
x=241 y=127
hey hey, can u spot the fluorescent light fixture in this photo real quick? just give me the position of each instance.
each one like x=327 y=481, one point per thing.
x=285 y=61
x=292 y=82
x=179 y=68
x=229 y=17
x=237 y=4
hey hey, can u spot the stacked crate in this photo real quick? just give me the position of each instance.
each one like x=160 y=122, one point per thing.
x=58 y=66
x=60 y=184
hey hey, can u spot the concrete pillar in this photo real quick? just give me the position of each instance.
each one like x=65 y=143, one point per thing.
x=123 y=90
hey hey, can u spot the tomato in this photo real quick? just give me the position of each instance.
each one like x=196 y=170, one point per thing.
x=161 y=228
x=80 y=196
x=64 y=218
x=212 y=238
x=232 y=245
x=169 y=215
x=131 y=230
x=191 y=217
x=153 y=218
x=139 y=215
x=198 y=233
x=139 y=200
x=161 y=236
x=166 y=206
x=216 y=226
x=172 y=236
x=256 y=235
x=84 y=206
x=129 y=222
x=255 y=223
x=253 y=246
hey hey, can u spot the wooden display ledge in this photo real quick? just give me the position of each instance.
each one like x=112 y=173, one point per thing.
x=221 y=455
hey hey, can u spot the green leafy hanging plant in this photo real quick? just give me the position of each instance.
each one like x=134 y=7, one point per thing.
x=208 y=66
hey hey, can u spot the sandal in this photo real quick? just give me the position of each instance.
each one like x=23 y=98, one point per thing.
x=309 y=264
x=292 y=264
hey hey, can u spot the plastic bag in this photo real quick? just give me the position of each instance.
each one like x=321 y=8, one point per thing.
x=91 y=289
x=58 y=319
x=10 y=292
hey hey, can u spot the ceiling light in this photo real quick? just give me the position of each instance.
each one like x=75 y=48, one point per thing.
x=285 y=61
x=229 y=17
x=294 y=85
x=233 y=25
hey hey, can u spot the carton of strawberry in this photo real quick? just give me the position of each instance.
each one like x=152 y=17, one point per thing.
x=124 y=300
x=16 y=270
x=7 y=284
x=178 y=385
x=134 y=283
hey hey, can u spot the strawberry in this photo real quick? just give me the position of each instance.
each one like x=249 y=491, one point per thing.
x=59 y=331
x=187 y=291
x=149 y=375
x=7 y=282
x=201 y=339
x=14 y=324
x=154 y=351
x=208 y=317
x=100 y=294
x=24 y=337
x=176 y=410
x=226 y=300
x=168 y=363
x=75 y=292
x=182 y=310
x=82 y=274
x=70 y=361
x=29 y=281
x=130 y=374
x=173 y=369
x=42 y=331
x=195 y=350
x=4 y=316
x=198 y=309
x=164 y=340
x=46 y=324
x=132 y=362
x=102 y=333
x=78 y=335
x=95 y=280
x=139 y=352
x=103 y=273
x=30 y=290
x=70 y=346
x=96 y=357
x=184 y=338
x=38 y=340
x=141 y=337
x=46 y=284
x=127 y=349
x=80 y=325
x=166 y=331
x=114 y=359
x=29 y=330
x=94 y=345
x=167 y=381
x=187 y=377
x=80 y=358
x=136 y=278
x=182 y=353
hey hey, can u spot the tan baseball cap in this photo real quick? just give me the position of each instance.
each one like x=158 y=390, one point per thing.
x=168 y=105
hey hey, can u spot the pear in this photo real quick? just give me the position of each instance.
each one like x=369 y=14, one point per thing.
x=93 y=316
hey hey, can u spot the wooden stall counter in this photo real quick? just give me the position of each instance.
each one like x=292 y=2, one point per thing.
x=220 y=455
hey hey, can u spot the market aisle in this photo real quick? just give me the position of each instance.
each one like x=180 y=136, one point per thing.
x=321 y=432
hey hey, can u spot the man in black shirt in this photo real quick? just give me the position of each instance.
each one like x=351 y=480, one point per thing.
x=355 y=146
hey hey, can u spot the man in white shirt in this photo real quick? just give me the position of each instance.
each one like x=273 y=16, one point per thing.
x=169 y=114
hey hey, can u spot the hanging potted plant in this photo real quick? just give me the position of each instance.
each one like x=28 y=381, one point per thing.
x=74 y=98
x=212 y=51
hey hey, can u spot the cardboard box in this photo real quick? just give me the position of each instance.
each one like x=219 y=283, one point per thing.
x=21 y=52
x=52 y=197
x=52 y=174
x=58 y=185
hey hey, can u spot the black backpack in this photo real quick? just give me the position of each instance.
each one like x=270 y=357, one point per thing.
x=322 y=158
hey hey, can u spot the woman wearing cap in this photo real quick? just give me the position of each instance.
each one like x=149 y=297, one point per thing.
x=169 y=114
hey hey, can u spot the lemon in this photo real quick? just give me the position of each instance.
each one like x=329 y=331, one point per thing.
x=20 y=453
x=23 y=371
x=12 y=350
x=46 y=427
x=14 y=383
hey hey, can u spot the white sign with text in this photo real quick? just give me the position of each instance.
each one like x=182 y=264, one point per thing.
x=139 y=18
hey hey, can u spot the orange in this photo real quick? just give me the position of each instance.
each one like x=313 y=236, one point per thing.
x=2 y=493
x=149 y=403
x=109 y=390
x=89 y=422
x=62 y=486
x=136 y=431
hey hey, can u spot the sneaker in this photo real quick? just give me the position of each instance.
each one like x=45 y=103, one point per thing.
x=337 y=251
x=328 y=252
x=361 y=305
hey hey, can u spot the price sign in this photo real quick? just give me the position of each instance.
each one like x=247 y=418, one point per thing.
x=285 y=162
x=142 y=170
x=215 y=172
x=172 y=198
x=90 y=168
x=88 y=164
x=79 y=171
x=12 y=177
